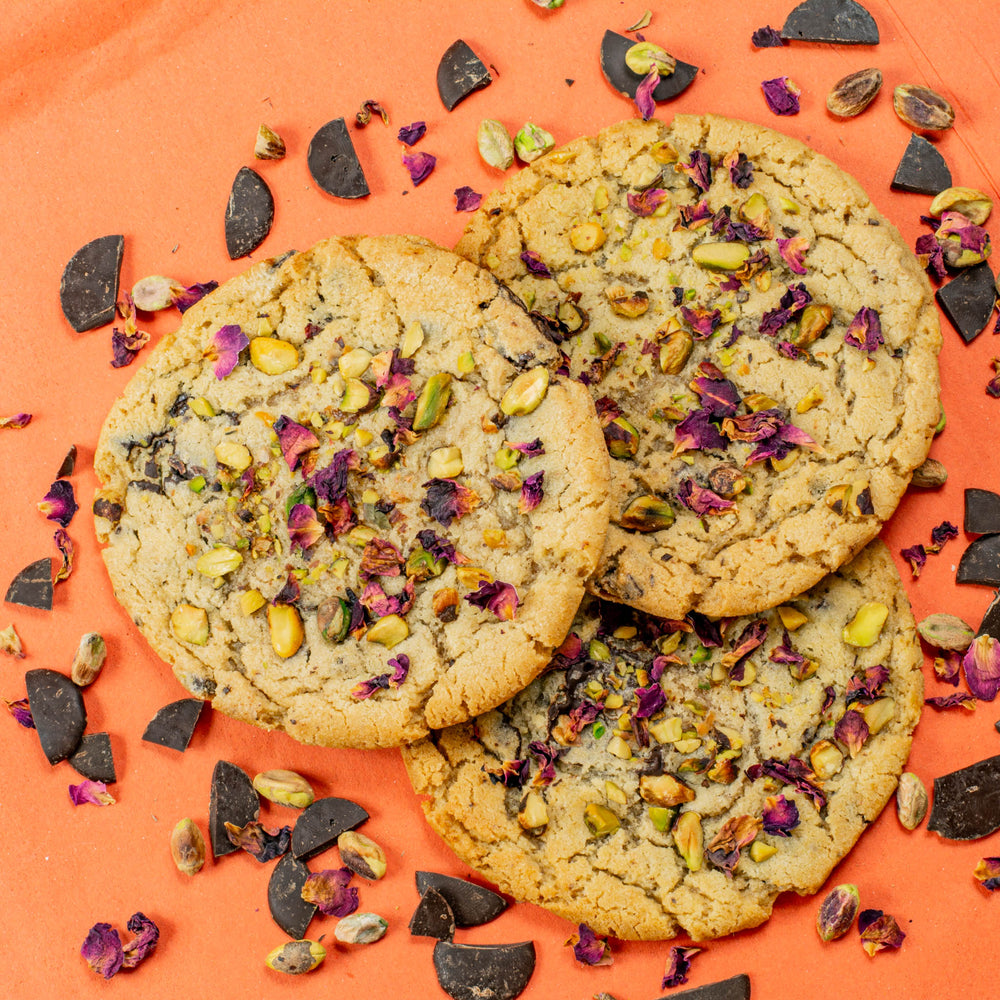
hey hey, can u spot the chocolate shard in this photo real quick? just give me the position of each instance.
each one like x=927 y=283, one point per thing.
x=94 y=760
x=922 y=169
x=284 y=897
x=68 y=463
x=734 y=988
x=472 y=904
x=173 y=725
x=990 y=625
x=982 y=512
x=460 y=72
x=56 y=705
x=233 y=800
x=967 y=802
x=967 y=300
x=613 y=49
x=980 y=562
x=320 y=824
x=842 y=22
x=433 y=917
x=32 y=587
x=88 y=290
x=484 y=971
x=249 y=213
x=333 y=163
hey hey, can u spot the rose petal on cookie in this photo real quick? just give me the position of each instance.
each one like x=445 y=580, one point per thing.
x=496 y=596
x=780 y=816
x=227 y=342
x=294 y=440
x=865 y=330
x=698 y=169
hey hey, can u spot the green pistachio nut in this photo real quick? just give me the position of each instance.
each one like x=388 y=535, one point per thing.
x=600 y=820
x=526 y=392
x=837 y=911
x=333 y=618
x=216 y=563
x=360 y=928
x=432 y=402
x=495 y=144
x=296 y=957
x=643 y=57
x=866 y=626
x=814 y=320
x=287 y=788
x=647 y=513
x=721 y=256
x=532 y=142
x=621 y=438
x=689 y=839
x=675 y=349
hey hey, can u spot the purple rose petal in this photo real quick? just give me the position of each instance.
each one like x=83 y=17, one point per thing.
x=466 y=200
x=227 y=342
x=102 y=950
x=329 y=890
x=59 y=504
x=644 y=99
x=982 y=667
x=678 y=966
x=590 y=949
x=412 y=133
x=420 y=166
x=782 y=95
x=531 y=493
x=498 y=597
x=93 y=792
x=780 y=816
x=865 y=331
x=294 y=440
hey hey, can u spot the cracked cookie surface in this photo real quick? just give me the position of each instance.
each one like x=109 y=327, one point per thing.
x=321 y=539
x=676 y=776
x=761 y=344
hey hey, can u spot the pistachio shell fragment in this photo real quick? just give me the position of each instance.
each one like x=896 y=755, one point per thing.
x=268 y=144
x=929 y=475
x=287 y=788
x=922 y=108
x=296 y=957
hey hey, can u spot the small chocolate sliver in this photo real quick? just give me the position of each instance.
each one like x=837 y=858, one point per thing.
x=472 y=904
x=922 y=169
x=990 y=625
x=842 y=22
x=320 y=824
x=173 y=725
x=249 y=213
x=980 y=562
x=735 y=988
x=233 y=800
x=982 y=512
x=284 y=897
x=460 y=73
x=484 y=971
x=68 y=463
x=613 y=49
x=967 y=300
x=94 y=760
x=57 y=708
x=333 y=163
x=32 y=587
x=88 y=290
x=433 y=917
x=967 y=802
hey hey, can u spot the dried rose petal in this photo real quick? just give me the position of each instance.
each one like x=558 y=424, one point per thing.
x=879 y=931
x=21 y=712
x=546 y=758
x=588 y=948
x=294 y=440
x=644 y=99
x=697 y=431
x=702 y=321
x=125 y=347
x=259 y=842
x=466 y=200
x=16 y=422
x=780 y=816
x=717 y=394
x=767 y=38
x=412 y=133
x=531 y=493
x=916 y=556
x=698 y=170
x=678 y=966
x=227 y=342
x=535 y=265
x=330 y=482
x=530 y=449
x=757 y=426
x=723 y=850
x=10 y=642
x=447 y=501
x=867 y=686
x=777 y=447
x=102 y=950
x=420 y=166
x=700 y=500
x=865 y=331
x=498 y=597
x=329 y=890
x=375 y=599
x=147 y=934
x=304 y=527
x=192 y=294
x=94 y=792
x=693 y=216
x=510 y=774
x=67 y=549
x=380 y=558
x=647 y=202
x=782 y=95
x=792 y=251
x=59 y=504
x=651 y=700
x=943 y=532
x=852 y=731
x=946 y=668
x=752 y=636
x=400 y=669
x=368 y=108
x=982 y=667
x=959 y=700
x=740 y=169
x=987 y=873
x=795 y=772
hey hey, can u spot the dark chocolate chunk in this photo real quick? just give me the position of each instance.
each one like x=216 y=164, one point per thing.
x=32 y=587
x=173 y=725
x=922 y=169
x=249 y=213
x=433 y=917
x=472 y=904
x=982 y=512
x=56 y=705
x=333 y=163
x=980 y=562
x=990 y=625
x=484 y=971
x=843 y=22
x=735 y=988
x=320 y=824
x=284 y=897
x=967 y=300
x=613 y=49
x=233 y=800
x=460 y=72
x=68 y=463
x=967 y=802
x=93 y=758
x=89 y=287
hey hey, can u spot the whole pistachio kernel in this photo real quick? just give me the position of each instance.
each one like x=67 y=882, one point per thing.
x=572 y=317
x=922 y=108
x=622 y=438
x=287 y=788
x=534 y=813
x=853 y=93
x=675 y=349
x=445 y=463
x=354 y=363
x=647 y=513
x=233 y=455
x=689 y=839
x=413 y=337
x=88 y=660
x=495 y=144
x=333 y=619
x=388 y=631
x=866 y=626
x=626 y=302
x=814 y=320
x=911 y=800
x=970 y=202
x=929 y=475
x=216 y=563
x=587 y=237
x=643 y=57
x=189 y=624
x=720 y=256
x=273 y=356
x=664 y=790
x=296 y=957
x=531 y=142
x=360 y=928
x=526 y=392
x=600 y=820
x=837 y=911
x=362 y=855
x=946 y=631
x=432 y=402
x=286 y=629
x=187 y=847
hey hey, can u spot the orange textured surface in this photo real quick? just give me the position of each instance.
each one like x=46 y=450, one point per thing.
x=134 y=118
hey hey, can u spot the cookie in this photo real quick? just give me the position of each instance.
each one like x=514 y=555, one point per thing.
x=349 y=499
x=669 y=776
x=761 y=344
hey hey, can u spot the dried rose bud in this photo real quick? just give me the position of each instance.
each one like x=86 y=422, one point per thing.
x=837 y=911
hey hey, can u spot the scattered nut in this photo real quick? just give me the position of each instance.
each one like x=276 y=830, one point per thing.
x=361 y=854
x=296 y=957
x=946 y=632
x=664 y=790
x=972 y=203
x=88 y=660
x=388 y=631
x=187 y=847
x=445 y=463
x=922 y=109
x=675 y=349
x=911 y=800
x=600 y=820
x=837 y=911
x=534 y=813
x=587 y=237
x=929 y=475
x=216 y=563
x=269 y=145
x=287 y=788
x=852 y=94
x=647 y=513
x=360 y=928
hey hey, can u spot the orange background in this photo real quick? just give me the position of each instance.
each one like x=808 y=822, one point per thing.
x=134 y=117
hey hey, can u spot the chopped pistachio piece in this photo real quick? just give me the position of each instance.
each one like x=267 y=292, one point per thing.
x=600 y=820
x=689 y=839
x=189 y=624
x=587 y=237
x=866 y=626
x=526 y=392
x=354 y=363
x=445 y=463
x=388 y=631
x=647 y=513
x=251 y=601
x=971 y=202
x=534 y=813
x=286 y=629
x=233 y=455
x=273 y=356
x=216 y=563
x=531 y=142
